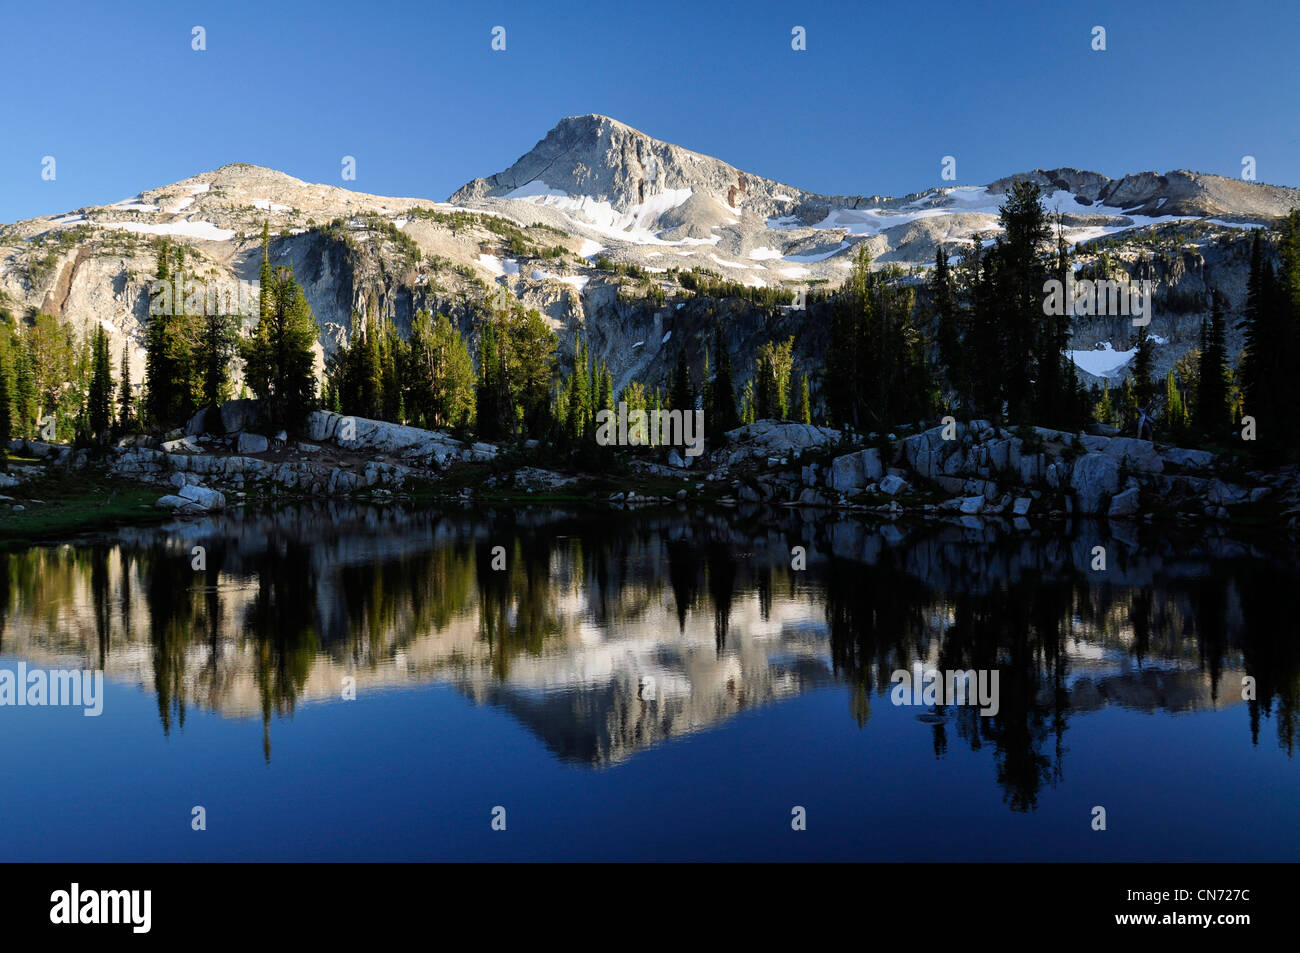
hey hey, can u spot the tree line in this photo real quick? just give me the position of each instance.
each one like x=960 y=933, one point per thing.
x=977 y=344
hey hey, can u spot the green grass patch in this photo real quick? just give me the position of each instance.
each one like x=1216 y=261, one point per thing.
x=75 y=502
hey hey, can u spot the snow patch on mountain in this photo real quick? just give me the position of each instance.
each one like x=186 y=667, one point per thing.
x=204 y=231
x=1101 y=361
x=638 y=224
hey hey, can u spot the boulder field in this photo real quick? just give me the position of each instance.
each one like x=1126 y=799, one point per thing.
x=972 y=469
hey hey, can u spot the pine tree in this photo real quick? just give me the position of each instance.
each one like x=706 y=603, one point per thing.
x=1263 y=344
x=1030 y=349
x=723 y=392
x=804 y=414
x=1105 y=410
x=747 y=403
x=531 y=371
x=278 y=359
x=682 y=391
x=489 y=409
x=1283 y=299
x=217 y=347
x=6 y=430
x=579 y=395
x=774 y=364
x=100 y=397
x=947 y=328
x=125 y=400
x=159 y=375
x=451 y=391
x=1174 y=418
x=1212 y=399
x=1127 y=411
x=25 y=387
x=371 y=372
x=605 y=388
x=392 y=357
x=1143 y=367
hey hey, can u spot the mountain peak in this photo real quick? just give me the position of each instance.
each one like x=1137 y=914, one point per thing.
x=597 y=159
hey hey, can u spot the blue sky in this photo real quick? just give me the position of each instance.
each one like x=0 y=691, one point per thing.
x=413 y=90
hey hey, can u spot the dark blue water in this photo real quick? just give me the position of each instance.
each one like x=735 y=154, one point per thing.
x=647 y=687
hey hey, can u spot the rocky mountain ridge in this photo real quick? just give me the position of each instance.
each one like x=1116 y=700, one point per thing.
x=592 y=226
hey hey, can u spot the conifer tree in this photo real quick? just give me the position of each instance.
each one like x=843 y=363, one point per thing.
x=1283 y=299
x=1261 y=366
x=804 y=414
x=1174 y=418
x=1143 y=367
x=1212 y=398
x=451 y=390
x=279 y=359
x=125 y=400
x=579 y=394
x=24 y=396
x=747 y=403
x=605 y=388
x=6 y=430
x=100 y=396
x=683 y=392
x=723 y=394
x=159 y=374
x=1105 y=410
x=948 y=334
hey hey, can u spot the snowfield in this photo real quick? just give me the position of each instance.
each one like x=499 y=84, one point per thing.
x=498 y=267
x=821 y=256
x=1101 y=361
x=204 y=231
x=634 y=225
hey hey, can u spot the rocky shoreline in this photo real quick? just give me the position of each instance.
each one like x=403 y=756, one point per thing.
x=971 y=470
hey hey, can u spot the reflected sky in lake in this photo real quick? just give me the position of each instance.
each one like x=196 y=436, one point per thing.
x=648 y=686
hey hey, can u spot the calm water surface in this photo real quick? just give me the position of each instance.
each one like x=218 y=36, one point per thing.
x=648 y=686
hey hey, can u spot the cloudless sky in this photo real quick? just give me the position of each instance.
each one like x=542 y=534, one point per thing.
x=114 y=92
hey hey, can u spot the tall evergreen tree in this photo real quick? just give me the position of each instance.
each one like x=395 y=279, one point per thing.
x=579 y=395
x=1030 y=350
x=278 y=358
x=723 y=392
x=605 y=388
x=159 y=374
x=803 y=408
x=1283 y=298
x=491 y=395
x=100 y=397
x=452 y=385
x=1212 y=397
x=774 y=364
x=126 y=399
x=682 y=391
x=948 y=331
x=6 y=430
x=1144 y=384
x=747 y=403
x=217 y=347
x=24 y=396
x=1174 y=417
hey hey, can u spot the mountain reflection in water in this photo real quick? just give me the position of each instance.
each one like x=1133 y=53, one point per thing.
x=609 y=632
